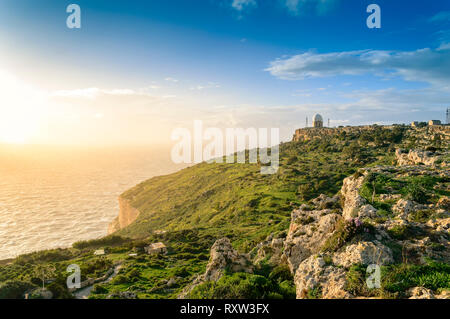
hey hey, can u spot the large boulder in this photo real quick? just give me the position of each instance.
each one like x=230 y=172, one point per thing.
x=314 y=274
x=222 y=256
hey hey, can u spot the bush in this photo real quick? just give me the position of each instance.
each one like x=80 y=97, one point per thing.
x=59 y=291
x=120 y=279
x=417 y=193
x=344 y=231
x=244 y=286
x=99 y=289
x=14 y=289
x=112 y=240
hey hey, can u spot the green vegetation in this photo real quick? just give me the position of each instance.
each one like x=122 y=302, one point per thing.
x=345 y=230
x=277 y=285
x=111 y=240
x=397 y=279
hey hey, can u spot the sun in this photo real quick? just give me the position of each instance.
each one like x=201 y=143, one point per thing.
x=20 y=110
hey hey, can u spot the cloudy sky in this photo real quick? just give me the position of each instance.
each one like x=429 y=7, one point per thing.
x=138 y=69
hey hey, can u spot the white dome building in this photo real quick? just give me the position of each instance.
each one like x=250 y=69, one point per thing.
x=317 y=120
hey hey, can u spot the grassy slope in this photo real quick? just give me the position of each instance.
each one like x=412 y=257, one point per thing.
x=236 y=200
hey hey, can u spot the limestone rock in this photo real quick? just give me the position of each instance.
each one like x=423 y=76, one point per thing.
x=420 y=293
x=403 y=207
x=440 y=225
x=365 y=253
x=444 y=203
x=222 y=256
x=386 y=197
x=367 y=211
x=352 y=200
x=272 y=248
x=415 y=157
x=443 y=295
x=313 y=273
x=307 y=233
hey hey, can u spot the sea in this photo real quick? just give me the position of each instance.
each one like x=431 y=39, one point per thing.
x=53 y=196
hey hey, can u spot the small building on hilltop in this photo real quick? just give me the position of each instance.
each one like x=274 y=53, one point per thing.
x=156 y=248
x=317 y=121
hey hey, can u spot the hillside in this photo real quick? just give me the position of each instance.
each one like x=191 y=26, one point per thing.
x=237 y=199
x=339 y=199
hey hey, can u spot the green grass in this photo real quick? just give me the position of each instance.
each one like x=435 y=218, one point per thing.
x=397 y=279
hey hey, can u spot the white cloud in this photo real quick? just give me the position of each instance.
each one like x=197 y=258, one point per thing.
x=240 y=5
x=298 y=7
x=428 y=65
x=209 y=85
x=443 y=16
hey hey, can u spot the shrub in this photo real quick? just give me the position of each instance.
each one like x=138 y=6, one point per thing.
x=244 y=286
x=417 y=193
x=315 y=293
x=401 y=232
x=14 y=289
x=344 y=231
x=112 y=240
x=120 y=279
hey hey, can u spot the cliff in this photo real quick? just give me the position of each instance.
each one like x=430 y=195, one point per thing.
x=424 y=135
x=127 y=215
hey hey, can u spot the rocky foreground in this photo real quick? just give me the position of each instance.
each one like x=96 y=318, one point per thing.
x=371 y=221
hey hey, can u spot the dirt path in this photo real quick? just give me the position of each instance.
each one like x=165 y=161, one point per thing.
x=86 y=291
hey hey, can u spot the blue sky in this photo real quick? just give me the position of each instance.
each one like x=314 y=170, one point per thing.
x=229 y=62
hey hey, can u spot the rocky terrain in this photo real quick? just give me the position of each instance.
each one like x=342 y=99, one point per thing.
x=383 y=215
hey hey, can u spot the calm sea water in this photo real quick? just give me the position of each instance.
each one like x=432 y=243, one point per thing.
x=51 y=197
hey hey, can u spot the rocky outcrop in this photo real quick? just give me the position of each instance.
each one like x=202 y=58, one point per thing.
x=127 y=215
x=307 y=233
x=222 y=256
x=271 y=250
x=314 y=274
x=424 y=293
x=420 y=293
x=365 y=253
x=352 y=200
x=404 y=207
x=416 y=157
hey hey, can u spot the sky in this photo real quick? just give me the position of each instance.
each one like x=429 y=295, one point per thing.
x=136 y=70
